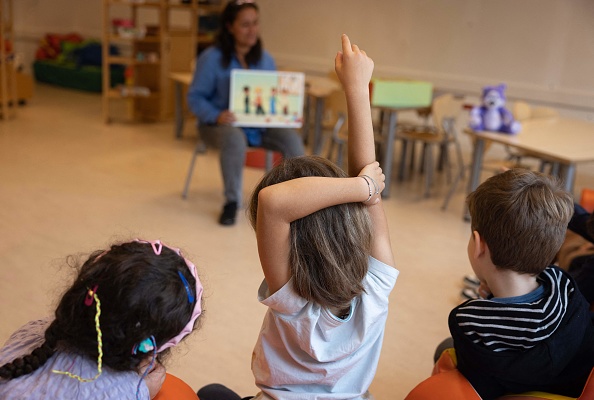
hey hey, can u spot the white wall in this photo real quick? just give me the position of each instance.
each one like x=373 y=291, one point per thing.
x=542 y=49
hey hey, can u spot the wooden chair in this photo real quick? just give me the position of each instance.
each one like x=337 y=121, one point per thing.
x=445 y=110
x=336 y=123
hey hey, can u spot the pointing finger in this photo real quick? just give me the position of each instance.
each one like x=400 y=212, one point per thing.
x=346 y=44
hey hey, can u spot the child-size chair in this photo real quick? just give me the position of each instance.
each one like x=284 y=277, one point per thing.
x=175 y=389
x=445 y=109
x=270 y=158
x=447 y=383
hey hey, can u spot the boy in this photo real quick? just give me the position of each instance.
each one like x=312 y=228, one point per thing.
x=532 y=331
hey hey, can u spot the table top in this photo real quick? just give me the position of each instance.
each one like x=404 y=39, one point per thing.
x=558 y=139
x=317 y=86
x=182 y=77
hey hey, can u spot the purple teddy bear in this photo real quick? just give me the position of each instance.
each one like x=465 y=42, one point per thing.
x=492 y=115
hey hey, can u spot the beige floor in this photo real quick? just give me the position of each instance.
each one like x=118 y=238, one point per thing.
x=69 y=183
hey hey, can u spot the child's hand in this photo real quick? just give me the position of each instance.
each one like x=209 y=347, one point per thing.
x=155 y=378
x=352 y=66
x=372 y=173
x=484 y=291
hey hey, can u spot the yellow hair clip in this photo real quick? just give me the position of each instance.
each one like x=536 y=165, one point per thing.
x=90 y=296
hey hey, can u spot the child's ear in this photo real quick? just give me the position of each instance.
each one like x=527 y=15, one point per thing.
x=479 y=244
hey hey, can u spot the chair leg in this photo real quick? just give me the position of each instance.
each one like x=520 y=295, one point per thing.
x=413 y=154
x=428 y=166
x=269 y=160
x=189 y=176
x=340 y=155
x=403 y=157
x=459 y=177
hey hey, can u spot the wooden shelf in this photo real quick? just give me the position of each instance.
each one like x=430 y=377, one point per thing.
x=8 y=85
x=130 y=61
x=116 y=93
x=172 y=47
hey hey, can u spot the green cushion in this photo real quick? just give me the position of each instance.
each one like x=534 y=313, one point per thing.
x=87 y=78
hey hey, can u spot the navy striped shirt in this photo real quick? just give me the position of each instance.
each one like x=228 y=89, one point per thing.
x=517 y=326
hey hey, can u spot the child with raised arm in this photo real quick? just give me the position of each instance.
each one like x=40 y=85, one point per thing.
x=327 y=260
x=127 y=306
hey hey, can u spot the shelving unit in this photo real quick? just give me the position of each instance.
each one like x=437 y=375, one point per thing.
x=149 y=58
x=8 y=88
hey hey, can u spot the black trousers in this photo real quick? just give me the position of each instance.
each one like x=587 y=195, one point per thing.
x=216 y=391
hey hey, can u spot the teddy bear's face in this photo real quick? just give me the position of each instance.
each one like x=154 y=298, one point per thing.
x=493 y=99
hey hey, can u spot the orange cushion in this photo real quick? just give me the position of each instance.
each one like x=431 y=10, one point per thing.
x=449 y=385
x=175 y=389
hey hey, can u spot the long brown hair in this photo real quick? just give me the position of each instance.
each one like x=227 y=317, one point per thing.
x=329 y=248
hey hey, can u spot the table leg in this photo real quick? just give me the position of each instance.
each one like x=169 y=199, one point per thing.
x=305 y=128
x=179 y=112
x=475 y=170
x=317 y=143
x=388 y=150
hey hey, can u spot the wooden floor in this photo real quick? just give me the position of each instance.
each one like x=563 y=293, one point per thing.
x=70 y=184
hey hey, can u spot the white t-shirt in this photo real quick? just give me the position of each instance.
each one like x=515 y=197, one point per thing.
x=305 y=352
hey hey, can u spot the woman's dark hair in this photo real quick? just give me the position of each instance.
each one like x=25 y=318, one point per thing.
x=141 y=294
x=329 y=248
x=225 y=40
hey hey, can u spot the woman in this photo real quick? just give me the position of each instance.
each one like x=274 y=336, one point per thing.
x=238 y=45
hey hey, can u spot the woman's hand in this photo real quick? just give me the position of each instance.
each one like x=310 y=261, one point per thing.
x=226 y=117
x=155 y=378
x=374 y=176
x=352 y=66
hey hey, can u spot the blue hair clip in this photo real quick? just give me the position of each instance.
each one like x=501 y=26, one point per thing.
x=146 y=346
x=191 y=298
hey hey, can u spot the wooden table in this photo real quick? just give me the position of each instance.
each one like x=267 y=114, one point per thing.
x=560 y=140
x=180 y=79
x=388 y=136
x=318 y=88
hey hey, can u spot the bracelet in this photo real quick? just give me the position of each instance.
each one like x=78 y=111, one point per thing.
x=368 y=185
x=375 y=186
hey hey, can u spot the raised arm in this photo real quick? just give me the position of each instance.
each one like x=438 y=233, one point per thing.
x=354 y=69
x=283 y=203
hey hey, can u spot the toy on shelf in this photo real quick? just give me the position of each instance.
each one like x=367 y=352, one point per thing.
x=492 y=114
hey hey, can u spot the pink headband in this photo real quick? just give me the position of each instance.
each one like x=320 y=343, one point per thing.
x=157 y=247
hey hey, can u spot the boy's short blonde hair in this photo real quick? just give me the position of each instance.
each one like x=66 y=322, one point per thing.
x=522 y=216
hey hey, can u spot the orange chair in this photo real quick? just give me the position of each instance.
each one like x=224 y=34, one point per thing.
x=175 y=389
x=447 y=383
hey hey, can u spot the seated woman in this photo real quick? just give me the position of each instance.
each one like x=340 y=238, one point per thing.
x=238 y=46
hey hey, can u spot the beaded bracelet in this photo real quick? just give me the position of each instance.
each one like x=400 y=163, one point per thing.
x=368 y=185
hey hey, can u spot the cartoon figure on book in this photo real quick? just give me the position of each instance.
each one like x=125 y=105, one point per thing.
x=238 y=46
x=327 y=260
x=113 y=328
